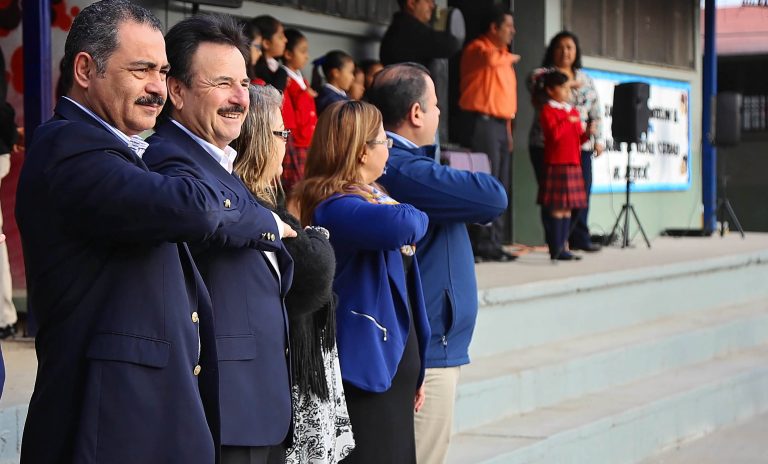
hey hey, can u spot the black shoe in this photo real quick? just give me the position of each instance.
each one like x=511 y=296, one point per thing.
x=590 y=248
x=502 y=257
x=7 y=332
x=566 y=256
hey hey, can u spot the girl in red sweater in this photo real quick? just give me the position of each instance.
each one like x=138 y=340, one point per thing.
x=562 y=188
x=302 y=104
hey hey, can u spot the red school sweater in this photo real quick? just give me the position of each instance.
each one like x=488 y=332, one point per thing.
x=562 y=138
x=304 y=112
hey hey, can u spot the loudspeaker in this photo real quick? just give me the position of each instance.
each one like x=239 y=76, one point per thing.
x=630 y=111
x=728 y=119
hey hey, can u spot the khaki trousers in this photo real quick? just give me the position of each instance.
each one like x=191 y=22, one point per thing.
x=7 y=309
x=433 y=423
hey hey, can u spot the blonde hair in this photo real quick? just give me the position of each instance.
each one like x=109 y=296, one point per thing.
x=333 y=161
x=256 y=146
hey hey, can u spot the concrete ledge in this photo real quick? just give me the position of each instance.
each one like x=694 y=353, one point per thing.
x=524 y=380
x=539 y=313
x=629 y=423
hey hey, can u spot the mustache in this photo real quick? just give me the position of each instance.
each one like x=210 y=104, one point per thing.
x=153 y=99
x=232 y=109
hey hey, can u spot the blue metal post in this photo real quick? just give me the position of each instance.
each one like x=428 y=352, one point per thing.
x=36 y=37
x=709 y=92
x=37 y=64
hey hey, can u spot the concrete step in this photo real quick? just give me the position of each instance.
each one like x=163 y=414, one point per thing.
x=743 y=443
x=543 y=312
x=627 y=423
x=524 y=380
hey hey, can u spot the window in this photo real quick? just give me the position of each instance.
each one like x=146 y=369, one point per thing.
x=374 y=11
x=646 y=31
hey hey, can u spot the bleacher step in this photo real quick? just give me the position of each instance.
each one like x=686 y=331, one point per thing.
x=523 y=380
x=626 y=423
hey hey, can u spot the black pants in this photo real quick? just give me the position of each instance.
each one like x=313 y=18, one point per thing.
x=253 y=454
x=490 y=137
x=580 y=237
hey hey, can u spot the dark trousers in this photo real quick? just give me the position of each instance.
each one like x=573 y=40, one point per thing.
x=253 y=454
x=490 y=137
x=580 y=237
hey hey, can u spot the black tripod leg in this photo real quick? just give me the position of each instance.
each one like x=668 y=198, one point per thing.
x=721 y=216
x=618 y=220
x=640 y=226
x=625 y=242
x=729 y=209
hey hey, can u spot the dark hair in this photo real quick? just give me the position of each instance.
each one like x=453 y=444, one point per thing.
x=268 y=25
x=367 y=64
x=335 y=59
x=94 y=31
x=293 y=36
x=401 y=4
x=185 y=37
x=495 y=14
x=548 y=80
x=251 y=30
x=549 y=56
x=396 y=88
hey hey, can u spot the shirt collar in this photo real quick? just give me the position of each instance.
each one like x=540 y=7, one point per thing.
x=225 y=158
x=296 y=76
x=335 y=89
x=558 y=105
x=273 y=64
x=402 y=140
x=135 y=143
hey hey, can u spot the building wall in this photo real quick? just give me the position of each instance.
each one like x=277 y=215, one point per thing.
x=536 y=23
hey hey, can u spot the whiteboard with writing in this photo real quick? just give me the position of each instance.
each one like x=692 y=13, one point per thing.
x=662 y=160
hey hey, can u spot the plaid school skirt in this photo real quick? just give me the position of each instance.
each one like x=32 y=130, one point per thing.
x=562 y=187
x=293 y=165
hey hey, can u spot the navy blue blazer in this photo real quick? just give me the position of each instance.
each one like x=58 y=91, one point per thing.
x=251 y=323
x=325 y=97
x=126 y=350
x=372 y=318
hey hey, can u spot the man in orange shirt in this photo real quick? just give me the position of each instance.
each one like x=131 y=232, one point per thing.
x=489 y=91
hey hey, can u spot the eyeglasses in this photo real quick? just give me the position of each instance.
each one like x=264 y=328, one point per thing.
x=255 y=45
x=387 y=142
x=283 y=134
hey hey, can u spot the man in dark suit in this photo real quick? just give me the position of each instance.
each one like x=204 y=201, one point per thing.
x=127 y=369
x=208 y=99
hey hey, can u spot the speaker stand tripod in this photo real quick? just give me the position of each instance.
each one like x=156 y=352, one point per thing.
x=628 y=209
x=723 y=205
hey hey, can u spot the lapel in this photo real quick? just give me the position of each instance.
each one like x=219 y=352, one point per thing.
x=171 y=131
x=65 y=109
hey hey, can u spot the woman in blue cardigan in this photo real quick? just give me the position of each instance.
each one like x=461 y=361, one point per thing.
x=382 y=327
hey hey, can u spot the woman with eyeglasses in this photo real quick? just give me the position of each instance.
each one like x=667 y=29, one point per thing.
x=382 y=327
x=321 y=430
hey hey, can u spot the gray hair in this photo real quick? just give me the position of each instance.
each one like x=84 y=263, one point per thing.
x=94 y=31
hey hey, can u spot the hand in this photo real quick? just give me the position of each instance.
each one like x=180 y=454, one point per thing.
x=312 y=92
x=574 y=119
x=515 y=58
x=2 y=238
x=599 y=148
x=418 y=401
x=19 y=145
x=592 y=128
x=288 y=231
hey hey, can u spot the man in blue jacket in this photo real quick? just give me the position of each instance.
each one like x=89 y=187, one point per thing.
x=208 y=100
x=405 y=95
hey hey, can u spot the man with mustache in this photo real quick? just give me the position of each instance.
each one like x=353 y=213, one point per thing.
x=208 y=98
x=127 y=363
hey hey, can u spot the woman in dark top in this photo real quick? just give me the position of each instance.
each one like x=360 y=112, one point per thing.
x=322 y=431
x=382 y=327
